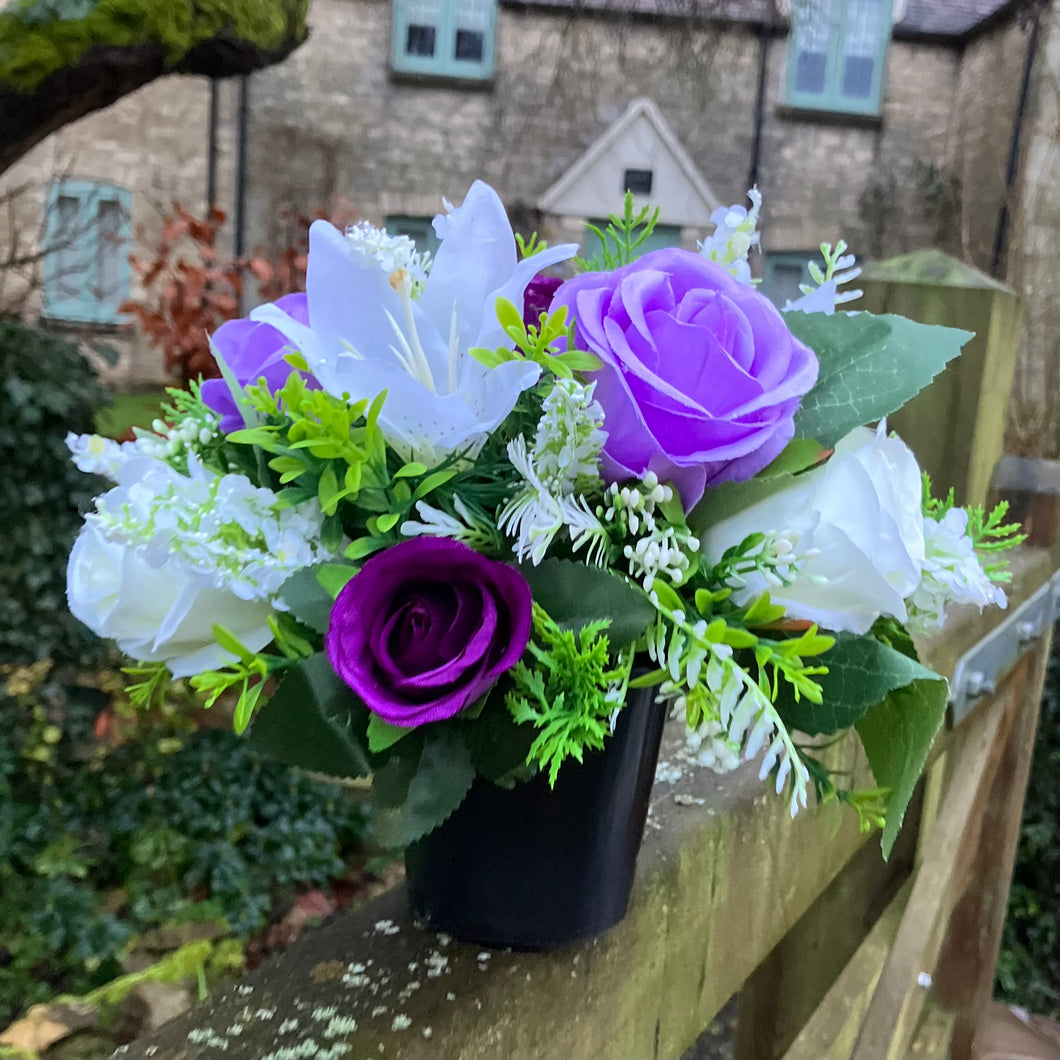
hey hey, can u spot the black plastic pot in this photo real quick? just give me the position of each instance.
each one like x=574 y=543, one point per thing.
x=534 y=867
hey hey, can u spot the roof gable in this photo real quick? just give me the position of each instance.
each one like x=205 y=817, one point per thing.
x=640 y=139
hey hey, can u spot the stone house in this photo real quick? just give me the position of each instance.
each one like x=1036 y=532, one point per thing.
x=889 y=123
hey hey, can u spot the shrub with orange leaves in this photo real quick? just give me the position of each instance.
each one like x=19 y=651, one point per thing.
x=190 y=290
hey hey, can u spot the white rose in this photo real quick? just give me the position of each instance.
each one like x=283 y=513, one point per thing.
x=852 y=532
x=157 y=613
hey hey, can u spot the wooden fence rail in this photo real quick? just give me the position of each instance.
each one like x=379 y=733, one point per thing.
x=833 y=952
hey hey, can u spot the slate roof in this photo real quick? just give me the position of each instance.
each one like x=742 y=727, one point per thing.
x=949 y=18
x=939 y=19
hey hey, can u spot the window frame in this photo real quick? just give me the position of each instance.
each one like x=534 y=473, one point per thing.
x=86 y=307
x=831 y=98
x=443 y=63
x=401 y=223
x=773 y=258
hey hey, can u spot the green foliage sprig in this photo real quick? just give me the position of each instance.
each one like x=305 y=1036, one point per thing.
x=536 y=343
x=571 y=694
x=529 y=247
x=621 y=239
x=988 y=531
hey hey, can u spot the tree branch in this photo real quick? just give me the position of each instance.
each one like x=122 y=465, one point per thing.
x=106 y=58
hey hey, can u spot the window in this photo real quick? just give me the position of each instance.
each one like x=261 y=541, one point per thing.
x=782 y=273
x=638 y=181
x=418 y=229
x=87 y=234
x=661 y=236
x=450 y=38
x=836 y=54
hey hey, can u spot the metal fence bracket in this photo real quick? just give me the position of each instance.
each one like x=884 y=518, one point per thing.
x=982 y=668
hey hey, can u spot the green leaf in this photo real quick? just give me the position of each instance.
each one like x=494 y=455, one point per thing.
x=508 y=314
x=491 y=358
x=580 y=361
x=432 y=482
x=498 y=744
x=412 y=470
x=575 y=595
x=796 y=456
x=333 y=576
x=386 y=523
x=381 y=734
x=414 y=793
x=231 y=643
x=869 y=367
x=327 y=489
x=862 y=672
x=897 y=735
x=731 y=497
x=331 y=533
x=314 y=721
x=307 y=599
x=364 y=546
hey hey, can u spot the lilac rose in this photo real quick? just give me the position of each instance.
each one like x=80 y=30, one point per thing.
x=426 y=627
x=701 y=377
x=252 y=351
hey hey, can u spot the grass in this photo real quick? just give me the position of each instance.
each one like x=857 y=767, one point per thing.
x=129 y=410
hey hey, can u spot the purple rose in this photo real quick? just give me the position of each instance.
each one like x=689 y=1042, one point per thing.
x=701 y=377
x=426 y=627
x=537 y=298
x=252 y=350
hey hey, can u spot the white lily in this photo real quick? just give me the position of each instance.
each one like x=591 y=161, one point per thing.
x=368 y=332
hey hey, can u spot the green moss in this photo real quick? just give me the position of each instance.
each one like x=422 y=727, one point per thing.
x=932 y=267
x=39 y=37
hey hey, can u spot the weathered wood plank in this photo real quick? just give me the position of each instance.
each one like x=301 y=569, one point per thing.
x=833 y=1028
x=788 y=986
x=932 y=1038
x=895 y=1007
x=965 y=976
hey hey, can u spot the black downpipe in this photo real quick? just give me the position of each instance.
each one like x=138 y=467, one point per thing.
x=760 y=105
x=1001 y=231
x=241 y=170
x=211 y=148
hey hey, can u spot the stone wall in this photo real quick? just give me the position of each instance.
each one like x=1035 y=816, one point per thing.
x=332 y=121
x=152 y=143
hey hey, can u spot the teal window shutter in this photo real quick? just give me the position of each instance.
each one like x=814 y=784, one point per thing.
x=419 y=229
x=782 y=273
x=87 y=238
x=837 y=50
x=447 y=38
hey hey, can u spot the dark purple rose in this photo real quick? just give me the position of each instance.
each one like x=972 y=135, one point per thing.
x=252 y=350
x=701 y=377
x=538 y=297
x=426 y=627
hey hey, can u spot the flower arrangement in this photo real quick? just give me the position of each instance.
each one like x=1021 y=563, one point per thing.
x=439 y=517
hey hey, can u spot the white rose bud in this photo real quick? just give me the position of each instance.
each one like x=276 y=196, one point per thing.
x=856 y=535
